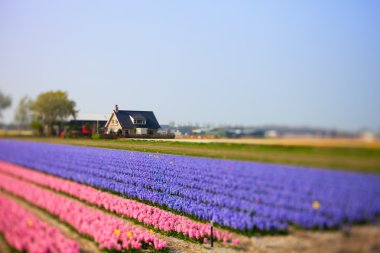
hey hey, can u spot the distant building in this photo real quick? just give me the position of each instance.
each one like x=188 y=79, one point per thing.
x=271 y=134
x=88 y=123
x=127 y=123
x=368 y=136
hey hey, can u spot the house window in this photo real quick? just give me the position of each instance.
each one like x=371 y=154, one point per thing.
x=139 y=121
x=116 y=121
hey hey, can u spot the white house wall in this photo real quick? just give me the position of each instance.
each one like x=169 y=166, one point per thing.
x=141 y=130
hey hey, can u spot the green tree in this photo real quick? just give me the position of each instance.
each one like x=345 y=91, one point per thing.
x=23 y=114
x=5 y=102
x=53 y=107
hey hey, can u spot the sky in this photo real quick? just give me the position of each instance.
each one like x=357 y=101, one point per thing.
x=296 y=63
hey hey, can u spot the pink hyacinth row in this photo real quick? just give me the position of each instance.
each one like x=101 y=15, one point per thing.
x=27 y=233
x=149 y=215
x=108 y=231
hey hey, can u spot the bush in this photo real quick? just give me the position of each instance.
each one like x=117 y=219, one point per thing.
x=95 y=136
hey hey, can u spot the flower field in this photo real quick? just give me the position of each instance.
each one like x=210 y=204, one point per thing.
x=95 y=190
x=110 y=232
x=149 y=215
x=22 y=229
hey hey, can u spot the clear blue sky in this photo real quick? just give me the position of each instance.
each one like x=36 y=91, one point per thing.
x=233 y=62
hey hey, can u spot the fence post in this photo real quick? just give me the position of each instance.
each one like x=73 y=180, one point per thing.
x=212 y=234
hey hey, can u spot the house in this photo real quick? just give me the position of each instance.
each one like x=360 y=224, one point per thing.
x=130 y=123
x=86 y=123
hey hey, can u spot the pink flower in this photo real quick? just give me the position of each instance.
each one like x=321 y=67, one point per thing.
x=235 y=242
x=86 y=220
x=158 y=218
x=15 y=225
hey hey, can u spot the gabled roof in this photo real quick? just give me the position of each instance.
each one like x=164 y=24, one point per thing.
x=126 y=122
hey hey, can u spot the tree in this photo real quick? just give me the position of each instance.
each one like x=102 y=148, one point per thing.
x=5 y=102
x=23 y=114
x=53 y=107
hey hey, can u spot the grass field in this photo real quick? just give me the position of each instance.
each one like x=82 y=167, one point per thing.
x=346 y=158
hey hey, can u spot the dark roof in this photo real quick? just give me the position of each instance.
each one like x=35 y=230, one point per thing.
x=138 y=116
x=126 y=122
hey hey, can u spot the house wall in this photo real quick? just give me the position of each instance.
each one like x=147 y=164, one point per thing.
x=113 y=124
x=127 y=131
x=141 y=130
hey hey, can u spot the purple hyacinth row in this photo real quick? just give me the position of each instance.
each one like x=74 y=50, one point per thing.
x=240 y=195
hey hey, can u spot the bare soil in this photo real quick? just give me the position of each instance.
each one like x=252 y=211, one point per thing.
x=4 y=248
x=361 y=239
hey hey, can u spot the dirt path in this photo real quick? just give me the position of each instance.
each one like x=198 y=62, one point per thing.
x=4 y=248
x=85 y=245
x=362 y=239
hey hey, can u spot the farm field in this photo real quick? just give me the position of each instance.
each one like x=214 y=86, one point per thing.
x=102 y=200
x=10 y=133
x=289 y=141
x=346 y=157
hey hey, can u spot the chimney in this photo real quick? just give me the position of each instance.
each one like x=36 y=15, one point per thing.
x=116 y=108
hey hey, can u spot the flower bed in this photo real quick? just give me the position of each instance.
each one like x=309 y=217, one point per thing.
x=149 y=215
x=25 y=232
x=240 y=195
x=108 y=231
